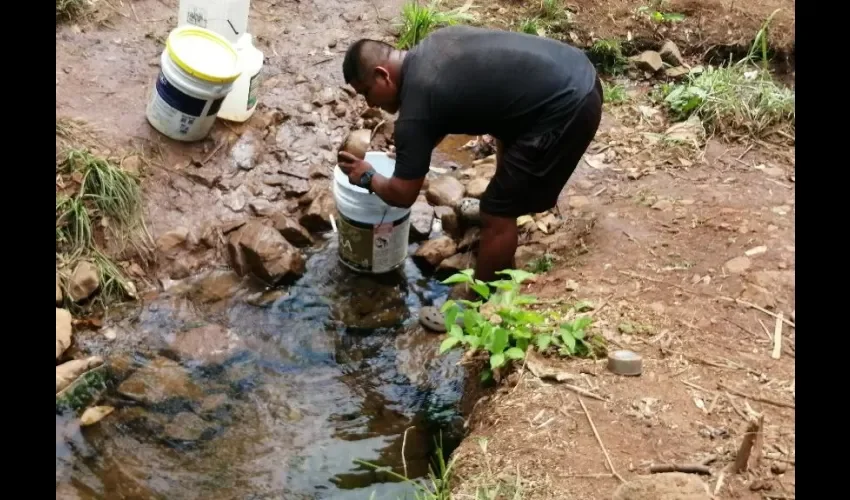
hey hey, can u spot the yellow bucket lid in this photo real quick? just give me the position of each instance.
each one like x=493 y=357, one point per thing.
x=203 y=54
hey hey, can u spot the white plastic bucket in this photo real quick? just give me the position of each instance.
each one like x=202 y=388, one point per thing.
x=198 y=68
x=372 y=235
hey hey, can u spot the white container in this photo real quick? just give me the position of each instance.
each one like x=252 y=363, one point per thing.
x=241 y=102
x=372 y=235
x=198 y=68
x=228 y=18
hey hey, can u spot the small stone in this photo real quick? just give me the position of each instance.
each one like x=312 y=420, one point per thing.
x=756 y=251
x=579 y=202
x=432 y=252
x=294 y=232
x=132 y=165
x=445 y=190
x=83 y=282
x=657 y=307
x=299 y=78
x=95 y=414
x=431 y=318
x=421 y=220
x=317 y=217
x=584 y=184
x=67 y=373
x=778 y=468
x=649 y=61
x=169 y=243
x=737 y=265
x=305 y=107
x=324 y=97
x=186 y=426
x=670 y=54
x=318 y=171
x=209 y=344
x=470 y=211
x=340 y=110
x=244 y=152
x=448 y=219
x=261 y=207
x=456 y=263
x=571 y=285
x=160 y=380
x=64 y=331
x=476 y=187
x=262 y=251
x=236 y=199
x=204 y=176
x=676 y=72
x=662 y=205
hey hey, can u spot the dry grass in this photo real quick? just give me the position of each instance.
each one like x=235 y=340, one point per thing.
x=70 y=9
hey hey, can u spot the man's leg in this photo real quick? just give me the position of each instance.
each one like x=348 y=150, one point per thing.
x=497 y=247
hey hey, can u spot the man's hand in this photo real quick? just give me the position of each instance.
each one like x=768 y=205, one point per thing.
x=353 y=167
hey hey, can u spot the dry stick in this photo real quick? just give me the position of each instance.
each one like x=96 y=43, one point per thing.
x=758 y=446
x=403 y=445
x=713 y=402
x=759 y=308
x=743 y=456
x=719 y=483
x=585 y=392
x=777 y=338
x=735 y=407
x=686 y=468
x=764 y=327
x=599 y=440
x=751 y=397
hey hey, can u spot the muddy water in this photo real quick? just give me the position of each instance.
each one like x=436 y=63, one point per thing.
x=330 y=371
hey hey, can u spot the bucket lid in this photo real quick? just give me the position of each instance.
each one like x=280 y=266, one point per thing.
x=203 y=54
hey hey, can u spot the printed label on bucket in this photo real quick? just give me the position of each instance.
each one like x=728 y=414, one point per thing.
x=177 y=113
x=253 y=87
x=373 y=248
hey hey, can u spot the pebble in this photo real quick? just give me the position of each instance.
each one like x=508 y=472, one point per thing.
x=431 y=318
x=737 y=265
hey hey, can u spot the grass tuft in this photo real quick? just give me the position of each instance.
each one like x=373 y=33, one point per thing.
x=70 y=9
x=531 y=26
x=607 y=55
x=419 y=21
x=613 y=93
x=114 y=192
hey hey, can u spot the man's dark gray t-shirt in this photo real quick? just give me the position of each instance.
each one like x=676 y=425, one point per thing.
x=474 y=81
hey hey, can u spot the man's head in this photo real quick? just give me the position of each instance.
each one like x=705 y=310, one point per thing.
x=373 y=68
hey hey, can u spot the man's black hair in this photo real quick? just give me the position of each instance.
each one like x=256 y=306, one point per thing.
x=362 y=58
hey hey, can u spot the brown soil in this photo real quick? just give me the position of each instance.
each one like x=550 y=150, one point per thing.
x=656 y=275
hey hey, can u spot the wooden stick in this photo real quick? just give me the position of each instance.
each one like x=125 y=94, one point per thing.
x=719 y=483
x=736 y=392
x=584 y=392
x=686 y=468
x=599 y=440
x=403 y=445
x=758 y=446
x=777 y=338
x=742 y=458
x=759 y=308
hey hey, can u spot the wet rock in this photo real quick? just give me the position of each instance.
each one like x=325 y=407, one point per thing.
x=432 y=252
x=84 y=281
x=293 y=186
x=237 y=199
x=318 y=171
x=421 y=220
x=649 y=61
x=68 y=372
x=262 y=207
x=95 y=414
x=262 y=251
x=476 y=187
x=470 y=211
x=59 y=294
x=317 y=217
x=213 y=402
x=456 y=263
x=446 y=191
x=186 y=426
x=64 y=331
x=324 y=97
x=266 y=299
x=216 y=285
x=204 y=176
x=159 y=381
x=470 y=239
x=292 y=231
x=169 y=243
x=448 y=219
x=244 y=153
x=208 y=344
x=670 y=54
x=737 y=265
x=669 y=486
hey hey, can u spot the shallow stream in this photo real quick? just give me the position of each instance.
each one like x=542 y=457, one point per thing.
x=310 y=379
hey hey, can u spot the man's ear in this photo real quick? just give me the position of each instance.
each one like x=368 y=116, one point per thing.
x=381 y=73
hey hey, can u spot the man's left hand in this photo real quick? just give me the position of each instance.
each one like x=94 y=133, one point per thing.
x=353 y=167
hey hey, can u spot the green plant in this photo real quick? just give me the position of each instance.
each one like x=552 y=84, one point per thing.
x=418 y=21
x=654 y=12
x=502 y=326
x=614 y=93
x=437 y=487
x=553 y=10
x=760 y=42
x=531 y=26
x=542 y=264
x=608 y=56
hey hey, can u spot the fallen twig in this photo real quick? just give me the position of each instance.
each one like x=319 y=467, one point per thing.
x=403 y=445
x=584 y=392
x=599 y=440
x=751 y=397
x=777 y=338
x=742 y=458
x=735 y=407
x=719 y=484
x=759 y=308
x=686 y=468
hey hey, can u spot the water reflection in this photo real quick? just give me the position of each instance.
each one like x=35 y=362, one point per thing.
x=334 y=371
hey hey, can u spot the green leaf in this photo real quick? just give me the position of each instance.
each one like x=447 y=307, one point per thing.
x=472 y=341
x=522 y=333
x=523 y=344
x=518 y=275
x=582 y=323
x=499 y=341
x=529 y=317
x=481 y=289
x=470 y=304
x=497 y=360
x=451 y=318
x=503 y=284
x=448 y=305
x=448 y=344
x=543 y=341
x=514 y=353
x=486 y=375
x=522 y=300
x=468 y=272
x=455 y=331
x=579 y=334
x=457 y=278
x=569 y=340
x=470 y=318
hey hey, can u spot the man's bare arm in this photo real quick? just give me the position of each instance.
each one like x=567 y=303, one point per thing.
x=397 y=192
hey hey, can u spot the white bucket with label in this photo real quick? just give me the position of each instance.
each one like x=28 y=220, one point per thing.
x=372 y=235
x=198 y=68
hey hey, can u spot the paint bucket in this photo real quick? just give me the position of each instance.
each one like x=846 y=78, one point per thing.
x=198 y=68
x=372 y=235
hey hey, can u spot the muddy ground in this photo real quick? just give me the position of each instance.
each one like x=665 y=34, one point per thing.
x=677 y=237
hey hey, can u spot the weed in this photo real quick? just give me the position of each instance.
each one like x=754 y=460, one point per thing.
x=553 y=10
x=759 y=49
x=654 y=11
x=439 y=479
x=531 y=26
x=542 y=264
x=418 y=21
x=114 y=192
x=614 y=93
x=735 y=98
x=502 y=327
x=69 y=9
x=73 y=224
x=608 y=56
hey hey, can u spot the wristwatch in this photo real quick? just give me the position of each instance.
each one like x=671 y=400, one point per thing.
x=366 y=180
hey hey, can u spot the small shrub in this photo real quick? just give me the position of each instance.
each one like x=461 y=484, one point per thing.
x=614 y=93
x=608 y=56
x=418 y=21
x=531 y=26
x=542 y=264
x=502 y=326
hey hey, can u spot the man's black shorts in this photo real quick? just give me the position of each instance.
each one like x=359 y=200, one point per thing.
x=534 y=170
